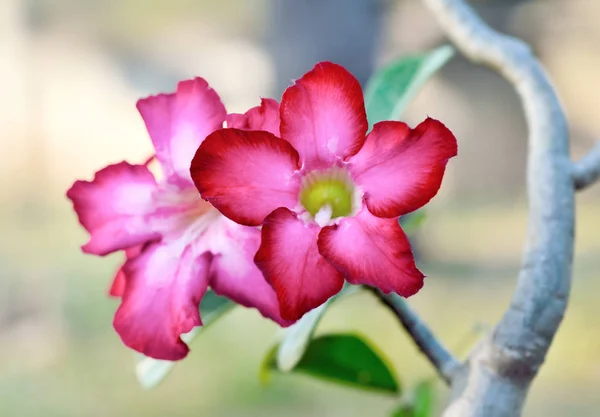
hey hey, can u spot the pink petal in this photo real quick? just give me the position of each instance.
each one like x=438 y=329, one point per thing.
x=246 y=174
x=372 y=251
x=120 y=281
x=160 y=302
x=263 y=117
x=179 y=122
x=291 y=263
x=115 y=208
x=323 y=115
x=117 y=287
x=400 y=169
x=234 y=274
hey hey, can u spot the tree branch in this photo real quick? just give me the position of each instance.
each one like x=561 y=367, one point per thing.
x=498 y=373
x=441 y=359
x=587 y=170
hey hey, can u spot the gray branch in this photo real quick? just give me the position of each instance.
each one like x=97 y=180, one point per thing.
x=495 y=379
x=587 y=170
x=441 y=359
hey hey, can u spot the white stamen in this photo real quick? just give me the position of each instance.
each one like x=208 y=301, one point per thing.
x=323 y=216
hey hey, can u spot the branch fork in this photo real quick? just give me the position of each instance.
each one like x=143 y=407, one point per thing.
x=495 y=378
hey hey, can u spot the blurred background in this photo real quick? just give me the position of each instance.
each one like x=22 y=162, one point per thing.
x=70 y=73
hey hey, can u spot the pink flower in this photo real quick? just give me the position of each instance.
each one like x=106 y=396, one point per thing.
x=328 y=196
x=176 y=244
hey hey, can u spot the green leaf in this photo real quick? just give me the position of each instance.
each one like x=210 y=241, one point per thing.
x=300 y=333
x=412 y=222
x=404 y=411
x=151 y=372
x=424 y=399
x=421 y=404
x=268 y=365
x=342 y=358
x=214 y=306
x=390 y=89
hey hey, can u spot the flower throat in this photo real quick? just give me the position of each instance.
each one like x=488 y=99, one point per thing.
x=331 y=188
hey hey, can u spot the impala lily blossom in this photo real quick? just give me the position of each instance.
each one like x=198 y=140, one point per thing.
x=328 y=196
x=176 y=244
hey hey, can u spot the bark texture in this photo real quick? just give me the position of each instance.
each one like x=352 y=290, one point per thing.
x=587 y=170
x=440 y=357
x=494 y=380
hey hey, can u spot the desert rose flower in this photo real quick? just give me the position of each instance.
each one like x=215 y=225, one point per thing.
x=328 y=196
x=177 y=245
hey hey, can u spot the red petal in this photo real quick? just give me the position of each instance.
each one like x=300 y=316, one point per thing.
x=235 y=276
x=160 y=302
x=246 y=174
x=291 y=263
x=120 y=281
x=179 y=122
x=372 y=251
x=400 y=169
x=116 y=208
x=323 y=115
x=117 y=287
x=263 y=117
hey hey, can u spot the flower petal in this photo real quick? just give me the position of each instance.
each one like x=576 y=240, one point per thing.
x=263 y=117
x=115 y=208
x=246 y=174
x=160 y=302
x=291 y=263
x=400 y=169
x=323 y=115
x=234 y=274
x=117 y=287
x=179 y=122
x=372 y=251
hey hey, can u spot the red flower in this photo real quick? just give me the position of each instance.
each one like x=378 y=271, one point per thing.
x=328 y=195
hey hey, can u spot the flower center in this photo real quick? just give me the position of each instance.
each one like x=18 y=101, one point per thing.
x=329 y=193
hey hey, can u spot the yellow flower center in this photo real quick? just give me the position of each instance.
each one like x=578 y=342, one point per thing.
x=329 y=191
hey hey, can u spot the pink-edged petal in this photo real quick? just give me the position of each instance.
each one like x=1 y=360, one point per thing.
x=372 y=251
x=160 y=302
x=117 y=287
x=246 y=174
x=115 y=207
x=291 y=263
x=323 y=115
x=179 y=122
x=234 y=274
x=263 y=117
x=400 y=169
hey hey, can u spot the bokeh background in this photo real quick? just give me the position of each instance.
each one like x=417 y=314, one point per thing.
x=70 y=73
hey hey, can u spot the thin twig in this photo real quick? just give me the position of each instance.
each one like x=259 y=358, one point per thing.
x=441 y=359
x=587 y=170
x=499 y=371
